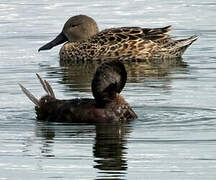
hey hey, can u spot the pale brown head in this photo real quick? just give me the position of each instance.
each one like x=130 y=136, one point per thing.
x=77 y=28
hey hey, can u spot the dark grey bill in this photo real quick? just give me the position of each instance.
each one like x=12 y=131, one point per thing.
x=61 y=38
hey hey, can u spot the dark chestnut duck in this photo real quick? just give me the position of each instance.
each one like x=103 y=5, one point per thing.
x=85 y=42
x=107 y=106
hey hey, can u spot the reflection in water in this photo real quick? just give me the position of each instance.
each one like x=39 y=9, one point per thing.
x=109 y=150
x=47 y=143
x=155 y=68
x=78 y=75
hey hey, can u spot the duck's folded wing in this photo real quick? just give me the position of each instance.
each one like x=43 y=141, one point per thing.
x=124 y=34
x=156 y=31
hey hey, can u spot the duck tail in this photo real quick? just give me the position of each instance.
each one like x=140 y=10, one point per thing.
x=46 y=86
x=30 y=95
x=182 y=45
x=109 y=79
x=187 y=42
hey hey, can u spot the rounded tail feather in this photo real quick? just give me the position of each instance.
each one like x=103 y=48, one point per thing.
x=109 y=79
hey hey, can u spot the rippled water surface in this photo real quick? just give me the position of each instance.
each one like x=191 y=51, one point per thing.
x=175 y=134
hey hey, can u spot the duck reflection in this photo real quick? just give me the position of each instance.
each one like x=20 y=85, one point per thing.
x=48 y=134
x=109 y=146
x=78 y=75
x=110 y=150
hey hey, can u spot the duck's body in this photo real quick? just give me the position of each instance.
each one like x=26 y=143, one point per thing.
x=85 y=111
x=126 y=43
x=85 y=42
x=107 y=106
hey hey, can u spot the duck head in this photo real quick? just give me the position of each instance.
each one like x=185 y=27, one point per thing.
x=77 y=28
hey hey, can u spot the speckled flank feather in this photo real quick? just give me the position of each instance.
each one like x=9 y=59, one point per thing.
x=122 y=43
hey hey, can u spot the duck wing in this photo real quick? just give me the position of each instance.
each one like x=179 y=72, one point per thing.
x=156 y=31
x=109 y=79
x=123 y=34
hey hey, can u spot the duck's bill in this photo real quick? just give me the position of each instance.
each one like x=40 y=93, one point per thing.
x=61 y=38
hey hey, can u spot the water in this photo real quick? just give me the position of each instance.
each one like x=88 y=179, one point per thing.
x=174 y=136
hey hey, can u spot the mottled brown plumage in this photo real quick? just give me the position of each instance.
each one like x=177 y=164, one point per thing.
x=108 y=105
x=85 y=42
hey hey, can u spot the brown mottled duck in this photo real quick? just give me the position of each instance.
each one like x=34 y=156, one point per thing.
x=85 y=42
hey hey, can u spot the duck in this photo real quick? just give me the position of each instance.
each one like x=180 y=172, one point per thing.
x=84 y=42
x=107 y=106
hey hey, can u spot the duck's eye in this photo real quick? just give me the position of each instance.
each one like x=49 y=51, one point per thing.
x=75 y=25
